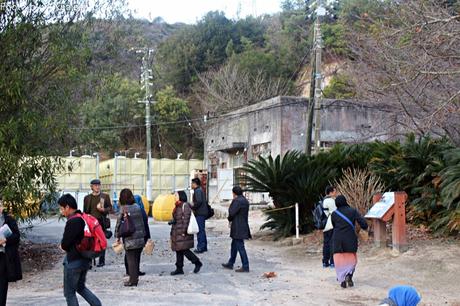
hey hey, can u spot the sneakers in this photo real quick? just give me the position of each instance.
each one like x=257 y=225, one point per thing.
x=198 y=266
x=325 y=265
x=227 y=266
x=332 y=266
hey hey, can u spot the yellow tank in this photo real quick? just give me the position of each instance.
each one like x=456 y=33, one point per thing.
x=146 y=204
x=163 y=207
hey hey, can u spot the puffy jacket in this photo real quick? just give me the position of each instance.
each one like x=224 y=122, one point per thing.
x=136 y=240
x=199 y=203
x=180 y=240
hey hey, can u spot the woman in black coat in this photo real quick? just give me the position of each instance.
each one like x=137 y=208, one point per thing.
x=10 y=264
x=345 y=240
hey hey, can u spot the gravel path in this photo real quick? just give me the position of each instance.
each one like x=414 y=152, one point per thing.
x=431 y=267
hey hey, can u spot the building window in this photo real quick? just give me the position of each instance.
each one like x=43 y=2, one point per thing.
x=239 y=178
x=261 y=150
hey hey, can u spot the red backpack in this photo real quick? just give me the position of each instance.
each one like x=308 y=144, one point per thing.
x=94 y=242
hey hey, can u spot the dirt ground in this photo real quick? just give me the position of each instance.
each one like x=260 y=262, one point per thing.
x=431 y=265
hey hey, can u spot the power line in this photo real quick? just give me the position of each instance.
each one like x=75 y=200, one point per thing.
x=234 y=114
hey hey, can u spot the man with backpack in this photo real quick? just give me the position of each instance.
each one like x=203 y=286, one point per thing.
x=328 y=208
x=75 y=264
x=98 y=205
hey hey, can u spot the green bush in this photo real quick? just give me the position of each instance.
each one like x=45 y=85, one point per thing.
x=427 y=169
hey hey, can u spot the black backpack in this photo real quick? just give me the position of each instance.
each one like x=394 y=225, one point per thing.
x=319 y=217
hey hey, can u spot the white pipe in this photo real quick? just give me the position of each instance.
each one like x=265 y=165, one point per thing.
x=296 y=220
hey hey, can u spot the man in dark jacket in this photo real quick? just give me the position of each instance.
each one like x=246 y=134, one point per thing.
x=200 y=209
x=98 y=205
x=75 y=266
x=239 y=229
x=10 y=264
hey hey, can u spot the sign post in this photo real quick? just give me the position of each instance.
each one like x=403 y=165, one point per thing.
x=387 y=207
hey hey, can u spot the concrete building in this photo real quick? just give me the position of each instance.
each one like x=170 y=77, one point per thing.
x=277 y=125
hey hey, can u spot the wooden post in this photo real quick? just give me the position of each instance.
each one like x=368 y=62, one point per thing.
x=399 y=239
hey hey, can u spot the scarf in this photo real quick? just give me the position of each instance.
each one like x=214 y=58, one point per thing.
x=177 y=204
x=404 y=295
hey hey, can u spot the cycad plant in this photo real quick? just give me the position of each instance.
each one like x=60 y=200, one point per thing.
x=293 y=178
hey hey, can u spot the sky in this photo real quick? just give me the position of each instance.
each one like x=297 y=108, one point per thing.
x=189 y=11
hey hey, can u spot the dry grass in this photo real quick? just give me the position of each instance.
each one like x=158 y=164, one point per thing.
x=358 y=186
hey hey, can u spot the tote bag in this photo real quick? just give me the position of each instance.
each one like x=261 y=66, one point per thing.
x=192 y=228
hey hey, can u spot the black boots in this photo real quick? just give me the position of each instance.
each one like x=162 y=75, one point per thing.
x=198 y=266
x=177 y=272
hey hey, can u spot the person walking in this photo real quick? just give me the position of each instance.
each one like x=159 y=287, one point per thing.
x=134 y=238
x=345 y=240
x=75 y=265
x=10 y=262
x=181 y=241
x=98 y=205
x=238 y=214
x=200 y=209
x=329 y=207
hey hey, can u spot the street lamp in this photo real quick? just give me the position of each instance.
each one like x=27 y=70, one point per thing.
x=97 y=164
x=71 y=151
x=179 y=155
x=136 y=155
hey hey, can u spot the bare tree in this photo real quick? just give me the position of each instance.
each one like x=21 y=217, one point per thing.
x=231 y=87
x=409 y=58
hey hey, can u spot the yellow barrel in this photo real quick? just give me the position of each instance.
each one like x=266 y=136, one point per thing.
x=163 y=207
x=146 y=204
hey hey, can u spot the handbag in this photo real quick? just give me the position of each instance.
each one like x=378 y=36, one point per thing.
x=127 y=227
x=108 y=234
x=149 y=246
x=210 y=211
x=192 y=228
x=117 y=247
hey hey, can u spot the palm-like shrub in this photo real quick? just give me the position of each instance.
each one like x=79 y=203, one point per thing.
x=293 y=178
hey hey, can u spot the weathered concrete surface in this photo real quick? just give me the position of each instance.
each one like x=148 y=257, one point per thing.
x=431 y=266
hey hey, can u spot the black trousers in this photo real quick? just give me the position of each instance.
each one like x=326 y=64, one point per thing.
x=3 y=279
x=328 y=259
x=126 y=263
x=133 y=258
x=180 y=258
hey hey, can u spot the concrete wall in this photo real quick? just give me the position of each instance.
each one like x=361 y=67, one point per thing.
x=277 y=125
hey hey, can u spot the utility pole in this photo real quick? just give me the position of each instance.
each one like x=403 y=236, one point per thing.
x=315 y=83
x=146 y=77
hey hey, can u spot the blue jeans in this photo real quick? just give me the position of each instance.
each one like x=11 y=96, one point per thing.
x=202 y=244
x=238 y=247
x=74 y=281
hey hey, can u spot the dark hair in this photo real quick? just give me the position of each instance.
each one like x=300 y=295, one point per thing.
x=329 y=189
x=341 y=201
x=68 y=200
x=237 y=190
x=182 y=196
x=196 y=181
x=126 y=197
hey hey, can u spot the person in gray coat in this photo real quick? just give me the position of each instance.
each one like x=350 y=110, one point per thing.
x=134 y=242
x=239 y=229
